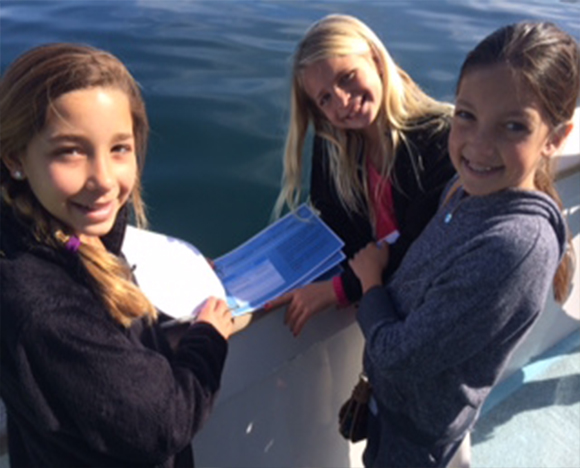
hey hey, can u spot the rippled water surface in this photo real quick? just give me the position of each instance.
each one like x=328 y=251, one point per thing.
x=215 y=78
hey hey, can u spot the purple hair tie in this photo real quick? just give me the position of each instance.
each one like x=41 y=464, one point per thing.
x=72 y=244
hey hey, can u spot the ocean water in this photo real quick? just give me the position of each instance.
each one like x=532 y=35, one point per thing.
x=215 y=76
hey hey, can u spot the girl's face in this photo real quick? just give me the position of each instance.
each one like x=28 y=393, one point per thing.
x=348 y=89
x=499 y=134
x=82 y=165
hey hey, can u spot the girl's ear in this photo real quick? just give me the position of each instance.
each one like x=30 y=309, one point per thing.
x=557 y=138
x=15 y=168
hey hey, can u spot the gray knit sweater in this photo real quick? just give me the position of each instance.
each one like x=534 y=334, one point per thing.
x=469 y=289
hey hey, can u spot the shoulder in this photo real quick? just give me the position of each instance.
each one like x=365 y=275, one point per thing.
x=25 y=276
x=520 y=227
x=321 y=176
x=320 y=158
x=429 y=129
x=422 y=164
x=514 y=237
x=318 y=145
x=426 y=140
x=36 y=289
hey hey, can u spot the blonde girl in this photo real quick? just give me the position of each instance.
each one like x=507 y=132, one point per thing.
x=88 y=379
x=379 y=160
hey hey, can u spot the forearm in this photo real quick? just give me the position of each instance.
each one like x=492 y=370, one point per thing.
x=129 y=401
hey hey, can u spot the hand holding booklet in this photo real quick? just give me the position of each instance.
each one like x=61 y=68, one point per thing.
x=289 y=253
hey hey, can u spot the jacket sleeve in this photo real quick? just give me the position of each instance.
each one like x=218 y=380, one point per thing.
x=93 y=378
x=483 y=303
x=353 y=228
x=419 y=180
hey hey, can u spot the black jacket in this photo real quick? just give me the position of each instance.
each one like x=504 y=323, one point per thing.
x=81 y=390
x=418 y=180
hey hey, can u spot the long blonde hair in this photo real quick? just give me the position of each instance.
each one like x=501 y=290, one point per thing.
x=404 y=106
x=547 y=59
x=27 y=89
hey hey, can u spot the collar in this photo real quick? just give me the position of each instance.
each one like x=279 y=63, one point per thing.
x=16 y=234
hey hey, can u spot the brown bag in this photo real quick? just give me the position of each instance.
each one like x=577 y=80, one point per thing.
x=353 y=414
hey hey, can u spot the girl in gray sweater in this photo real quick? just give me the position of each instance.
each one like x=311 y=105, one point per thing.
x=439 y=333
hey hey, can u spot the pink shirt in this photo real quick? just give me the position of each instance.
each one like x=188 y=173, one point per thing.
x=386 y=222
x=382 y=201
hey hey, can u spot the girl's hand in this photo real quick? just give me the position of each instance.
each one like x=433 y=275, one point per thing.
x=304 y=303
x=217 y=313
x=368 y=264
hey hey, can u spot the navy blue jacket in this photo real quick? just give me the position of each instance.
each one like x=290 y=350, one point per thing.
x=81 y=390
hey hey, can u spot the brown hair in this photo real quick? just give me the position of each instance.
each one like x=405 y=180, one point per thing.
x=547 y=60
x=27 y=89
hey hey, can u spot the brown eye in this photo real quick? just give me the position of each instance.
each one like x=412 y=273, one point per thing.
x=463 y=115
x=349 y=76
x=68 y=151
x=325 y=99
x=122 y=148
x=516 y=127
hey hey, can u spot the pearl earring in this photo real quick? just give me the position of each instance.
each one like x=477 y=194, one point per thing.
x=18 y=175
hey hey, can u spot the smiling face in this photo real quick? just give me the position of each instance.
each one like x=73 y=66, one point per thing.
x=347 y=89
x=82 y=165
x=499 y=134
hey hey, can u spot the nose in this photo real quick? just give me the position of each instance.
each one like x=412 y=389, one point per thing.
x=341 y=97
x=101 y=172
x=482 y=140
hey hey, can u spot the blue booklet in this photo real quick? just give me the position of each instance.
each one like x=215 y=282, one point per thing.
x=291 y=252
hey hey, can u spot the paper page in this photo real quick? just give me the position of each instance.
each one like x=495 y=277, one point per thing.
x=172 y=273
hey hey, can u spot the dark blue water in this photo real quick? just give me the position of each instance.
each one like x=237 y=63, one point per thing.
x=215 y=78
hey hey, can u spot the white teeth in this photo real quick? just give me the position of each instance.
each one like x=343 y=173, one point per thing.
x=479 y=168
x=94 y=207
x=355 y=110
